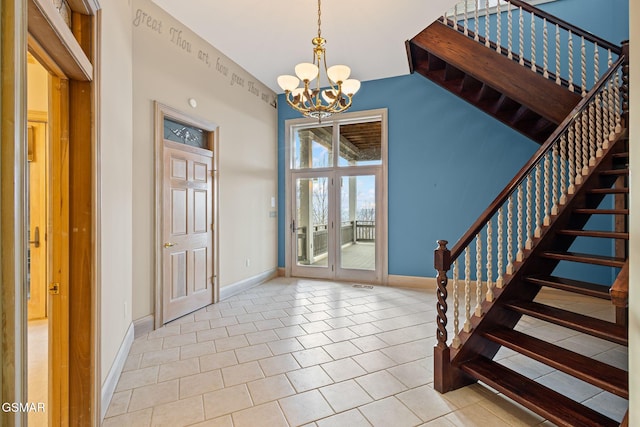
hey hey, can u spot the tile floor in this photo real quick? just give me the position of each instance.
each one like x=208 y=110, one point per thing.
x=295 y=352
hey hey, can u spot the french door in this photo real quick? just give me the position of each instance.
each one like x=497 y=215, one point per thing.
x=337 y=226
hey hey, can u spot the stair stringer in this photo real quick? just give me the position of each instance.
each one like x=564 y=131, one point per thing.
x=473 y=344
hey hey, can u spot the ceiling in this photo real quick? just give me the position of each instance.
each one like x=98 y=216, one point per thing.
x=268 y=38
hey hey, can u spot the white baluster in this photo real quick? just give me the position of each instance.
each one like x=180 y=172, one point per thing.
x=584 y=122
x=583 y=67
x=529 y=243
x=478 y=309
x=466 y=17
x=499 y=28
x=578 y=143
x=554 y=194
x=599 y=124
x=570 y=55
x=521 y=35
x=538 y=205
x=489 y=261
x=475 y=21
x=612 y=114
x=520 y=232
x=509 y=31
x=486 y=24
x=467 y=290
x=533 y=42
x=618 y=108
x=596 y=63
x=592 y=133
x=547 y=196
x=455 y=17
x=558 y=79
x=510 y=235
x=499 y=279
x=572 y=160
x=456 y=308
x=445 y=18
x=545 y=49
x=564 y=165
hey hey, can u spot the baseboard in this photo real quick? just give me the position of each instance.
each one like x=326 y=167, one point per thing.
x=413 y=282
x=243 y=285
x=282 y=272
x=143 y=325
x=109 y=385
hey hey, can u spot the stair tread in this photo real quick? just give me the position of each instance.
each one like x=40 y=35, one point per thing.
x=540 y=399
x=602 y=211
x=600 y=374
x=577 y=286
x=578 y=322
x=586 y=258
x=624 y=171
x=596 y=233
x=609 y=191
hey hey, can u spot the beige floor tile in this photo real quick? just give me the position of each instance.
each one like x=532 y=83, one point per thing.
x=253 y=352
x=132 y=362
x=314 y=340
x=165 y=331
x=181 y=368
x=159 y=357
x=312 y=356
x=341 y=334
x=476 y=415
x=231 y=343
x=196 y=350
x=241 y=329
x=195 y=326
x=266 y=415
x=242 y=373
x=119 y=403
x=380 y=384
x=341 y=350
x=426 y=403
x=439 y=422
x=223 y=322
x=137 y=378
x=211 y=334
x=155 y=394
x=343 y=369
x=305 y=407
x=179 y=340
x=142 y=345
x=226 y=401
x=285 y=346
x=409 y=352
x=369 y=343
x=389 y=412
x=351 y=418
x=181 y=413
x=469 y=395
x=290 y=331
x=138 y=419
x=224 y=421
x=414 y=374
x=374 y=361
x=261 y=337
x=511 y=412
x=345 y=395
x=200 y=383
x=308 y=378
x=278 y=364
x=270 y=389
x=218 y=360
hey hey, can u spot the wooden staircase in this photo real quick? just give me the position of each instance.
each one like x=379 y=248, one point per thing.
x=579 y=169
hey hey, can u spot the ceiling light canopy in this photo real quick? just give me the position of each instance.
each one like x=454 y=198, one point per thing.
x=311 y=99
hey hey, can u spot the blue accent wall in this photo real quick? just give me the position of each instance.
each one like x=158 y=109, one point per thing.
x=447 y=159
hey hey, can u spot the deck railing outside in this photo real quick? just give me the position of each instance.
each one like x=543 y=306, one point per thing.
x=350 y=232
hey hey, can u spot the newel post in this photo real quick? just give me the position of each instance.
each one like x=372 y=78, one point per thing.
x=441 y=355
x=625 y=84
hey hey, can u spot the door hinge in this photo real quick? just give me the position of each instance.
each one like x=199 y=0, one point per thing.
x=54 y=288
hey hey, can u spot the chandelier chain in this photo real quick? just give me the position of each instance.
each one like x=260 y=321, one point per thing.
x=319 y=20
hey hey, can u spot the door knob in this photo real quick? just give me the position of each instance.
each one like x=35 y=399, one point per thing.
x=169 y=244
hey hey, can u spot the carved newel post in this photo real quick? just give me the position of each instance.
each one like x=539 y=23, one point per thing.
x=442 y=359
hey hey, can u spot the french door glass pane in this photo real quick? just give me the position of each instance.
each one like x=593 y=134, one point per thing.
x=312 y=212
x=358 y=222
x=312 y=148
x=360 y=144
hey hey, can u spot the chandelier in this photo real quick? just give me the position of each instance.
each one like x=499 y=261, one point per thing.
x=310 y=99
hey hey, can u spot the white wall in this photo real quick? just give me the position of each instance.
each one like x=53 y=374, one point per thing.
x=115 y=177
x=170 y=67
x=634 y=218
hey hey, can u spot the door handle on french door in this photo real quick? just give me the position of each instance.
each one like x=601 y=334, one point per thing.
x=36 y=237
x=169 y=244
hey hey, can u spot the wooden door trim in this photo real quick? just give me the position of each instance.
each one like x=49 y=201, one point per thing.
x=13 y=107
x=160 y=112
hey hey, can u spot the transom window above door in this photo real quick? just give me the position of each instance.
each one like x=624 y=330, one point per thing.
x=357 y=144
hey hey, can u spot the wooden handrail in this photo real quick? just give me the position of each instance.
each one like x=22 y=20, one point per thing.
x=528 y=167
x=620 y=290
x=567 y=26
